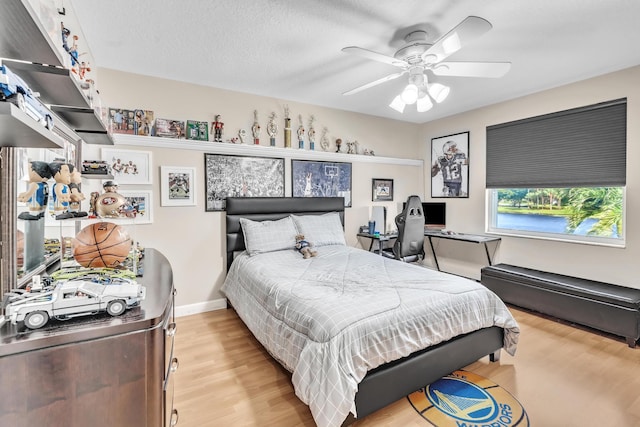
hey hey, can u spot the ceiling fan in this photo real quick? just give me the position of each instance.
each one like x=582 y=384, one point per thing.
x=418 y=56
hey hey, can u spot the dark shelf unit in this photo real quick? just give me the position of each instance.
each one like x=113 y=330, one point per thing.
x=85 y=122
x=19 y=130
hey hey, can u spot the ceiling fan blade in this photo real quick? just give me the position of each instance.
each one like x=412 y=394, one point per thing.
x=469 y=29
x=369 y=54
x=471 y=69
x=374 y=83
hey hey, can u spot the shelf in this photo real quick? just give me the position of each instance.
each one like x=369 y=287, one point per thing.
x=256 y=150
x=96 y=176
x=17 y=129
x=85 y=122
x=21 y=35
x=56 y=85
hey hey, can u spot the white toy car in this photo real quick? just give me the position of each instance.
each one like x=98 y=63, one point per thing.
x=16 y=90
x=71 y=298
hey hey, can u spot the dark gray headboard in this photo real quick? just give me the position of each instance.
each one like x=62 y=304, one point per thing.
x=270 y=208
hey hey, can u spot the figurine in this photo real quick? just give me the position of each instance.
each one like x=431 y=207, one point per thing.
x=272 y=129
x=217 y=127
x=37 y=195
x=59 y=203
x=304 y=247
x=287 y=128
x=300 y=133
x=110 y=186
x=312 y=134
x=255 y=129
x=324 y=141
x=352 y=147
x=93 y=213
x=76 y=195
x=338 y=145
x=242 y=134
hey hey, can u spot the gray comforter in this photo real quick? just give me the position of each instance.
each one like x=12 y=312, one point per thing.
x=331 y=318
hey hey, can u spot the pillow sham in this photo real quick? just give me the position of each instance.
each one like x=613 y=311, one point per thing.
x=321 y=230
x=268 y=236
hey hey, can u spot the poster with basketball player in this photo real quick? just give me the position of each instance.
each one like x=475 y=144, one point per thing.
x=321 y=179
x=450 y=166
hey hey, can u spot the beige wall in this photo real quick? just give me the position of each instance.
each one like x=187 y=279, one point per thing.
x=193 y=239
x=612 y=265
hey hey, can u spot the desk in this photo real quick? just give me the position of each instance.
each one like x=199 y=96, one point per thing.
x=472 y=238
x=380 y=239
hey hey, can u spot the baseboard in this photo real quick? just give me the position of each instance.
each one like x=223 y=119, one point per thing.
x=202 y=307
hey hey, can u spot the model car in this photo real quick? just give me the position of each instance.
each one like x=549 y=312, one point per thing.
x=66 y=299
x=98 y=167
x=16 y=90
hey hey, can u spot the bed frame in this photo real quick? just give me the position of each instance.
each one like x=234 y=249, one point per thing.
x=392 y=381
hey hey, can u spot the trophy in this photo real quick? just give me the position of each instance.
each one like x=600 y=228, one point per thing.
x=312 y=134
x=300 y=133
x=255 y=129
x=287 y=128
x=324 y=140
x=272 y=129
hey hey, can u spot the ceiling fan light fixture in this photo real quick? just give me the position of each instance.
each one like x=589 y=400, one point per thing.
x=410 y=94
x=398 y=104
x=424 y=104
x=439 y=92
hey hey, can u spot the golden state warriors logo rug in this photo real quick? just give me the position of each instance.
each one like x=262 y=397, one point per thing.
x=464 y=399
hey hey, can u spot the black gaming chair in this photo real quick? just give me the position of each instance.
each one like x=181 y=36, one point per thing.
x=409 y=246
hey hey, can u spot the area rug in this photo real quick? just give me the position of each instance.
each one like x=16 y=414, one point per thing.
x=464 y=399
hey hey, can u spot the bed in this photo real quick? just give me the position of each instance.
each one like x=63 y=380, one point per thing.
x=357 y=331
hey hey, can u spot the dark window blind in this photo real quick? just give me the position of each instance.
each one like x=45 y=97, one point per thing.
x=581 y=147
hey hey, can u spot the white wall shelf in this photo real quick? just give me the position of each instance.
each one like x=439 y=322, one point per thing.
x=17 y=129
x=255 y=150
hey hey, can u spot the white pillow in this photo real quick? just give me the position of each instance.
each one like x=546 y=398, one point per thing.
x=268 y=236
x=321 y=230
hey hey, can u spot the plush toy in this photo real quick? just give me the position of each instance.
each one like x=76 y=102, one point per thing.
x=304 y=247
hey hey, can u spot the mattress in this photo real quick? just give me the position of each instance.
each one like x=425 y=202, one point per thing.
x=331 y=318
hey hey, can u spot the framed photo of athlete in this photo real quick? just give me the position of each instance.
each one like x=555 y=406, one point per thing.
x=310 y=178
x=177 y=186
x=450 y=166
x=382 y=190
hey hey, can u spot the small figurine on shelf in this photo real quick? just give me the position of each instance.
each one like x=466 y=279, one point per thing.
x=110 y=186
x=93 y=213
x=324 y=140
x=312 y=133
x=287 y=128
x=76 y=195
x=255 y=129
x=242 y=134
x=217 y=127
x=65 y=36
x=352 y=147
x=272 y=129
x=37 y=195
x=59 y=203
x=300 y=133
x=338 y=145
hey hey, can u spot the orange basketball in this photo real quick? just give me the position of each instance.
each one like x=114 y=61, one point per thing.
x=103 y=244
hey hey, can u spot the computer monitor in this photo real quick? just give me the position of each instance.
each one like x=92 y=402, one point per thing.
x=435 y=214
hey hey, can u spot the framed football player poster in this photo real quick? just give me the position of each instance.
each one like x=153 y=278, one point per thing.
x=450 y=166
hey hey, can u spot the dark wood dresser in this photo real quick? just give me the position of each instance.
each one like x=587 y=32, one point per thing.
x=95 y=370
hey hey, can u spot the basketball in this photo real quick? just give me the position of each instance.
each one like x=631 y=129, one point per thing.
x=103 y=244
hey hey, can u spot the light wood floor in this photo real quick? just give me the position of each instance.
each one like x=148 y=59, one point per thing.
x=563 y=375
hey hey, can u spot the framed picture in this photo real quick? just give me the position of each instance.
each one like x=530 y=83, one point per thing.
x=177 y=186
x=128 y=166
x=382 y=190
x=166 y=128
x=132 y=122
x=321 y=179
x=450 y=166
x=142 y=203
x=197 y=130
x=241 y=176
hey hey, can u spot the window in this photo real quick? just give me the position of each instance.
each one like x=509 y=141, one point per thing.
x=560 y=176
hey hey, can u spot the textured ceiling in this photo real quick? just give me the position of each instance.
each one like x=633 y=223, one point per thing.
x=291 y=49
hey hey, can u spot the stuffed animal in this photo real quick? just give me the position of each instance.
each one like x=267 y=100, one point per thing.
x=304 y=247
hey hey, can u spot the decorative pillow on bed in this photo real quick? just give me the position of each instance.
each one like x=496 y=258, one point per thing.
x=321 y=230
x=268 y=236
